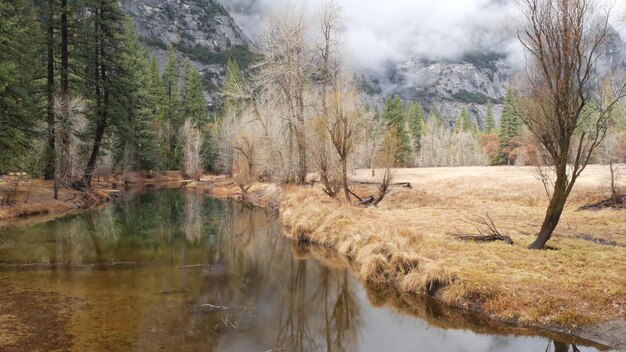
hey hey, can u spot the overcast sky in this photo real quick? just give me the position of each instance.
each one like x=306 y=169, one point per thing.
x=378 y=31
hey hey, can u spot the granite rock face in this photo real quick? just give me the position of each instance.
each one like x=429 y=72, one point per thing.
x=472 y=82
x=201 y=30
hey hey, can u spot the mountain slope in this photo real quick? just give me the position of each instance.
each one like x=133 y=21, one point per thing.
x=471 y=82
x=201 y=30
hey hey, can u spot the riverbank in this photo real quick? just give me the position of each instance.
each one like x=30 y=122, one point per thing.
x=410 y=242
x=264 y=195
x=34 y=200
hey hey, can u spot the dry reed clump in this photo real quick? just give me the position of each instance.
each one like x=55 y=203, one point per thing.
x=406 y=243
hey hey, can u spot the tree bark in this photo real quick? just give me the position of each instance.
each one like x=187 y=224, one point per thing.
x=49 y=172
x=95 y=150
x=553 y=213
x=64 y=96
x=102 y=101
x=344 y=179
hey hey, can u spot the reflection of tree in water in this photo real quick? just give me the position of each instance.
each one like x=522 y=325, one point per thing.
x=300 y=299
x=193 y=224
x=315 y=306
x=333 y=300
x=561 y=347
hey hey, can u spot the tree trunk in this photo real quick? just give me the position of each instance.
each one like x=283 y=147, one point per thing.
x=49 y=172
x=344 y=178
x=553 y=213
x=64 y=96
x=95 y=150
x=302 y=168
x=101 y=103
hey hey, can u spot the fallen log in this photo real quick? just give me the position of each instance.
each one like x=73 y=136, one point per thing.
x=486 y=238
x=366 y=201
x=372 y=183
x=618 y=203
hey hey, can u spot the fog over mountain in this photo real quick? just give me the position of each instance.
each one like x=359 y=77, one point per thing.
x=394 y=30
x=448 y=53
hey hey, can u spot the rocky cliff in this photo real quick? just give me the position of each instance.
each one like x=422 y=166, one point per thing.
x=472 y=82
x=201 y=30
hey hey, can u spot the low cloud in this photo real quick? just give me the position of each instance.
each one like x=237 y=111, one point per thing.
x=392 y=31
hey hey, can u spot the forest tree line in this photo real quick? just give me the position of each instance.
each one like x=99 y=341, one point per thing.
x=81 y=97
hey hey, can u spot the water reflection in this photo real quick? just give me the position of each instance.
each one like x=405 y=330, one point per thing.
x=178 y=271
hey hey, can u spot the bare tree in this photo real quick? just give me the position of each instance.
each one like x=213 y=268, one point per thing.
x=192 y=150
x=322 y=155
x=246 y=146
x=288 y=67
x=226 y=130
x=564 y=40
x=70 y=158
x=345 y=124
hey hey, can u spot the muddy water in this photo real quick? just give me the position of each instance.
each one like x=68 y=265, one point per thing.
x=175 y=271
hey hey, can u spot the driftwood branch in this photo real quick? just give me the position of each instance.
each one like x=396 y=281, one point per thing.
x=488 y=232
x=372 y=183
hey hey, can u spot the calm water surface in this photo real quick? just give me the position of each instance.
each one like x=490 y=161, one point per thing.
x=175 y=271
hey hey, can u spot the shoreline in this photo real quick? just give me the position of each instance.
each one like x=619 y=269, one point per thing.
x=42 y=211
x=40 y=206
x=374 y=259
x=389 y=260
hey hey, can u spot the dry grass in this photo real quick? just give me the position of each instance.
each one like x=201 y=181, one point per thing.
x=37 y=198
x=260 y=194
x=407 y=242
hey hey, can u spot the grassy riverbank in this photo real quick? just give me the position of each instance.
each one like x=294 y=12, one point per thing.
x=34 y=200
x=409 y=242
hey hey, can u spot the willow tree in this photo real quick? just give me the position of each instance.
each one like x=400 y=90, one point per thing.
x=564 y=40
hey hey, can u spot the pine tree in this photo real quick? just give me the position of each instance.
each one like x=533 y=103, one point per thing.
x=194 y=104
x=415 y=116
x=511 y=126
x=464 y=123
x=48 y=24
x=459 y=123
x=109 y=77
x=232 y=82
x=157 y=95
x=490 y=121
x=395 y=120
x=135 y=134
x=173 y=116
x=19 y=103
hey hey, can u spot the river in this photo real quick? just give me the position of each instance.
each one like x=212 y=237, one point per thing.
x=177 y=271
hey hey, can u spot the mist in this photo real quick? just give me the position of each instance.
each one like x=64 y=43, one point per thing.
x=378 y=33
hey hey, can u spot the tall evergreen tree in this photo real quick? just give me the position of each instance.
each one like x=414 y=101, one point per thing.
x=48 y=23
x=171 y=80
x=232 y=81
x=511 y=126
x=464 y=123
x=19 y=98
x=135 y=134
x=415 y=116
x=157 y=96
x=490 y=121
x=194 y=103
x=397 y=136
x=106 y=64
